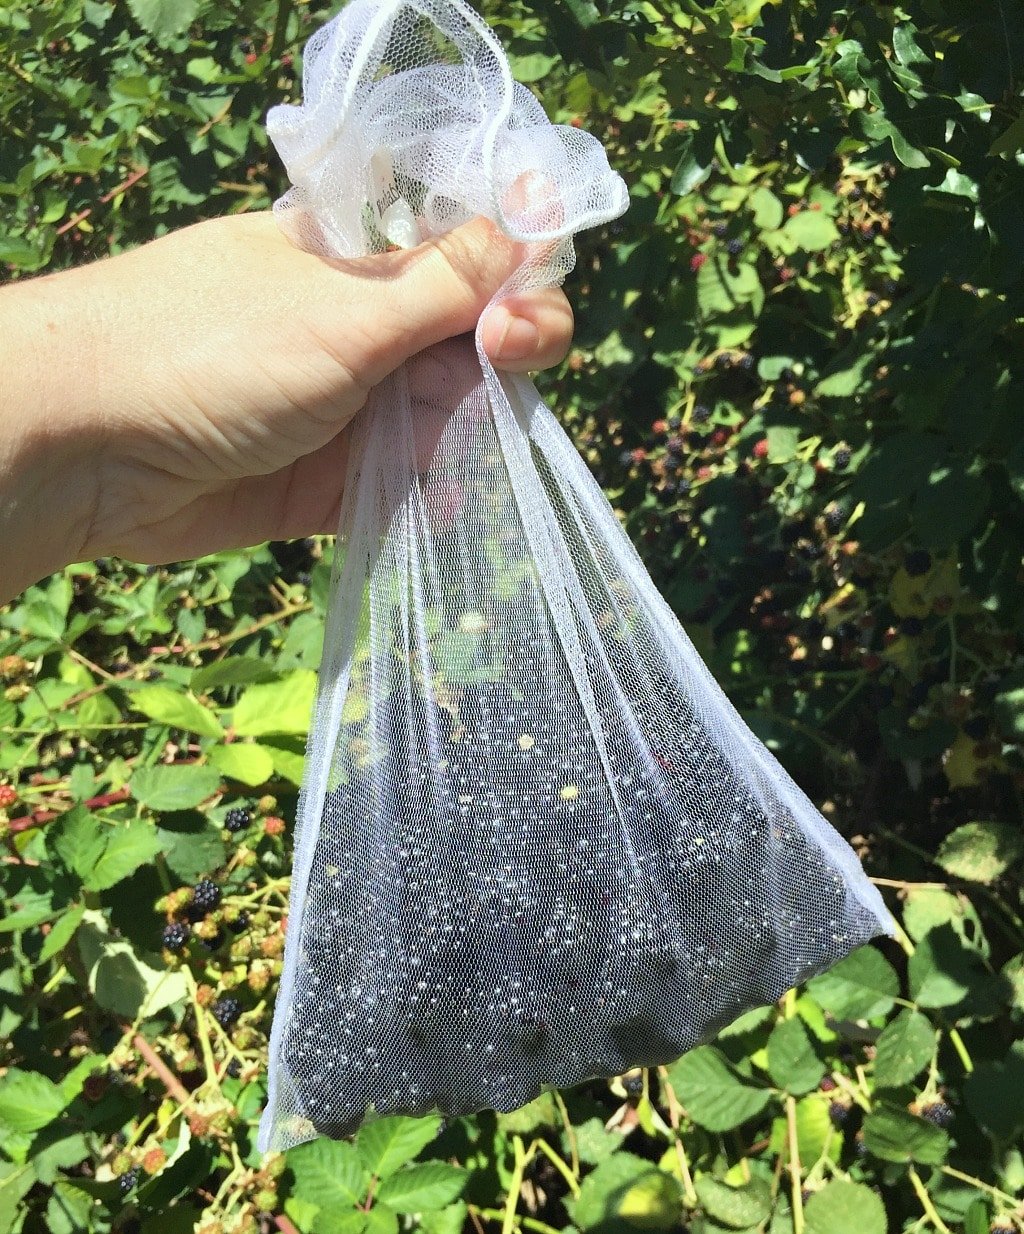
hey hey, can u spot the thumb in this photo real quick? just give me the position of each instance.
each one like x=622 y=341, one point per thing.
x=418 y=297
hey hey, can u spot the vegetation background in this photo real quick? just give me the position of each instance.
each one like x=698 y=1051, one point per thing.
x=799 y=373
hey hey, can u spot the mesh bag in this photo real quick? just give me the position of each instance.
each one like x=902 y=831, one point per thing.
x=536 y=843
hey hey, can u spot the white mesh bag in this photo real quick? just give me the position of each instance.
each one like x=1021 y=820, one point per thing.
x=536 y=843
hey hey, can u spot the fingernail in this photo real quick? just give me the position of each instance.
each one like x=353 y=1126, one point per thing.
x=519 y=338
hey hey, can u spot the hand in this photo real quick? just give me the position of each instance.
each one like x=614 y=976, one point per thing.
x=193 y=394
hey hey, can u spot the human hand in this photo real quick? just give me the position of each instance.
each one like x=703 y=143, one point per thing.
x=215 y=370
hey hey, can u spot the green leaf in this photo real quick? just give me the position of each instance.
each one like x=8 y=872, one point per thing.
x=626 y=1189
x=735 y=1207
x=191 y=845
x=164 y=19
x=78 y=838
x=994 y=1093
x=128 y=845
x=392 y=1141
x=450 y=1220
x=61 y=932
x=845 y=1208
x=767 y=209
x=28 y=1100
x=904 y=1049
x=179 y=787
x=242 y=761
x=792 y=1062
x=982 y=851
x=176 y=709
x=714 y=1096
x=810 y=230
x=949 y=507
x=894 y=1134
x=861 y=987
x=284 y=706
x=233 y=671
x=329 y=1173
x=419 y=1188
x=944 y=971
x=120 y=980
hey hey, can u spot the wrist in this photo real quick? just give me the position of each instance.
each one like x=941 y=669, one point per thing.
x=50 y=454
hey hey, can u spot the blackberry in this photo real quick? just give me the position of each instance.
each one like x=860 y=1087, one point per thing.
x=205 y=896
x=701 y=413
x=175 y=936
x=912 y=627
x=939 y=1113
x=129 y=1180
x=835 y=517
x=918 y=562
x=240 y=923
x=211 y=944
x=721 y=229
x=841 y=458
x=872 y=299
x=838 y=1113
x=237 y=820
x=634 y=1085
x=976 y=728
x=226 y=1010
x=746 y=362
x=234 y=1069
x=735 y=247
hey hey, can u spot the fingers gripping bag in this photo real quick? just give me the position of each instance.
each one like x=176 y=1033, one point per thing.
x=536 y=844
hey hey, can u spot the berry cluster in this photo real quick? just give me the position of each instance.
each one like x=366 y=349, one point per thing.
x=237 y=820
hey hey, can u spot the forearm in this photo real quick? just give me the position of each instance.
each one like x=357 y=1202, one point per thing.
x=49 y=447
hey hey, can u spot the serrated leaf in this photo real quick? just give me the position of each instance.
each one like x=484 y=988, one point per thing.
x=845 y=1208
x=736 y=1207
x=171 y=788
x=904 y=1049
x=626 y=1188
x=28 y=1100
x=283 y=706
x=981 y=851
x=176 y=709
x=714 y=1096
x=861 y=987
x=390 y=1142
x=61 y=933
x=233 y=671
x=242 y=761
x=792 y=1062
x=894 y=1134
x=329 y=1173
x=128 y=846
x=164 y=19
x=433 y=1184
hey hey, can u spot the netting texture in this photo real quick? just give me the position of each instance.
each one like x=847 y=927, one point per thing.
x=536 y=843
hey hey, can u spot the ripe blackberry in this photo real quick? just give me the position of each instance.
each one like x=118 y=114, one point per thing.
x=175 y=936
x=735 y=247
x=912 y=627
x=129 y=1180
x=918 y=562
x=872 y=299
x=701 y=413
x=211 y=944
x=237 y=820
x=634 y=1085
x=226 y=1010
x=939 y=1113
x=234 y=1068
x=841 y=458
x=720 y=229
x=205 y=896
x=835 y=517
x=240 y=923
x=839 y=1113
x=746 y=362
